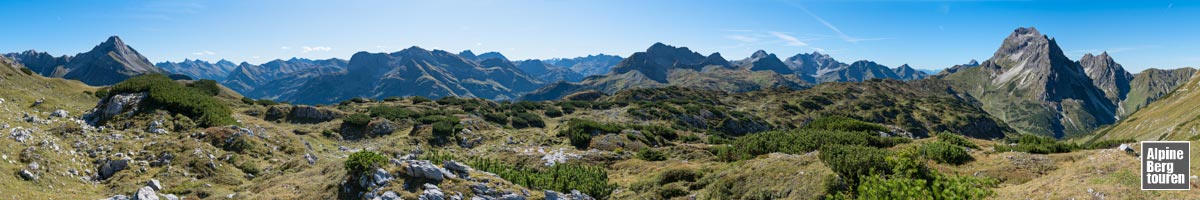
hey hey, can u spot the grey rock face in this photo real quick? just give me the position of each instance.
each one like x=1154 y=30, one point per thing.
x=381 y=127
x=28 y=176
x=277 y=112
x=389 y=195
x=20 y=134
x=59 y=113
x=115 y=105
x=574 y=195
x=312 y=159
x=156 y=127
x=118 y=197
x=155 y=184
x=146 y=193
x=110 y=167
x=309 y=114
x=432 y=192
x=381 y=177
x=458 y=168
x=425 y=169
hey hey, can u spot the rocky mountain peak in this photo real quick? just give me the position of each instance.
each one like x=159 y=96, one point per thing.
x=113 y=41
x=759 y=54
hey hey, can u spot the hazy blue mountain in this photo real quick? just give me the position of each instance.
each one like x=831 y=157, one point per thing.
x=199 y=69
x=416 y=71
x=587 y=65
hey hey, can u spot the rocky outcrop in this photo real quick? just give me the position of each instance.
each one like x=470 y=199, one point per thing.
x=311 y=115
x=425 y=170
x=114 y=105
x=110 y=167
x=574 y=195
x=381 y=127
x=432 y=192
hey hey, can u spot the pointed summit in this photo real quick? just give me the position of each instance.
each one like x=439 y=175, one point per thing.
x=715 y=59
x=108 y=63
x=759 y=54
x=467 y=54
x=113 y=41
x=1029 y=74
x=763 y=61
x=1107 y=74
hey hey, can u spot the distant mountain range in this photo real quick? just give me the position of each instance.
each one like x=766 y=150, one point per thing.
x=199 y=69
x=108 y=63
x=1028 y=83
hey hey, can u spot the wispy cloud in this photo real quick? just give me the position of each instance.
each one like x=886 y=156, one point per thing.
x=204 y=53
x=743 y=38
x=835 y=29
x=789 y=40
x=285 y=47
x=306 y=49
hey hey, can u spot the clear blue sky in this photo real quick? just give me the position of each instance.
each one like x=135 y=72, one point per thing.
x=926 y=34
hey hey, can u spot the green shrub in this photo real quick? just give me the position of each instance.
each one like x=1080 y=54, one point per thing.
x=955 y=139
x=522 y=120
x=450 y=100
x=393 y=99
x=553 y=112
x=390 y=112
x=579 y=131
x=357 y=119
x=209 y=87
x=420 y=99
x=854 y=161
x=677 y=175
x=245 y=100
x=27 y=71
x=1036 y=144
x=650 y=154
x=1105 y=144
x=498 y=118
x=266 y=102
x=446 y=128
x=944 y=152
x=672 y=191
x=363 y=161
x=561 y=177
x=102 y=92
x=799 y=142
x=166 y=94
x=844 y=124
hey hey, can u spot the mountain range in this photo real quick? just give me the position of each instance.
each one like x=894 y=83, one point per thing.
x=108 y=63
x=1029 y=83
x=199 y=69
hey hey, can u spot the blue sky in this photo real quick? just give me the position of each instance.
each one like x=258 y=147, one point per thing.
x=925 y=34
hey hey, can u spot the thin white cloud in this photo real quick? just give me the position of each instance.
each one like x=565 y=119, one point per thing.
x=831 y=27
x=204 y=53
x=306 y=49
x=788 y=39
x=743 y=38
x=285 y=47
